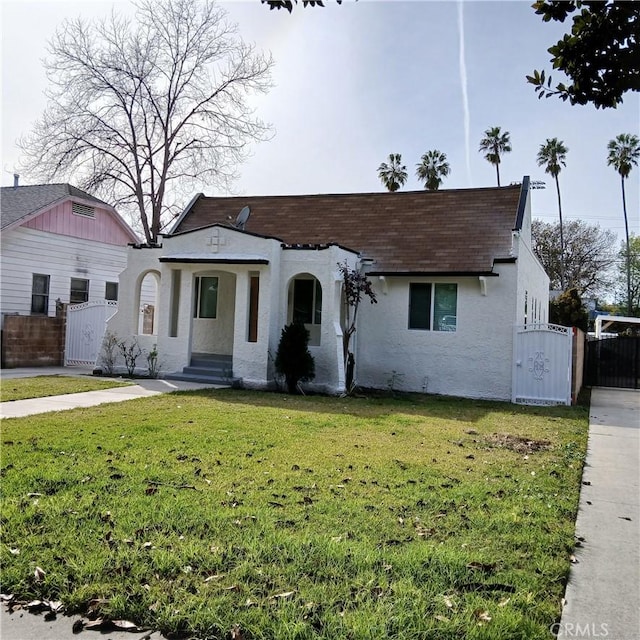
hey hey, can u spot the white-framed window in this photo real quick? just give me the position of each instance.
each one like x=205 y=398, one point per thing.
x=79 y=291
x=433 y=307
x=40 y=294
x=206 y=297
x=111 y=291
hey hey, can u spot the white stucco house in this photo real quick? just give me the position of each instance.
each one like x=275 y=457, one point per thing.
x=453 y=272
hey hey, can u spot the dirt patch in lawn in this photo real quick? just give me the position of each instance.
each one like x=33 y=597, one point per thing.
x=518 y=444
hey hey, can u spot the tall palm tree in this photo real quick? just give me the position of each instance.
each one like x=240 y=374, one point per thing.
x=552 y=156
x=394 y=174
x=433 y=166
x=624 y=152
x=495 y=143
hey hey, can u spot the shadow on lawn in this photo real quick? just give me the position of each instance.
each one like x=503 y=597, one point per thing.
x=376 y=405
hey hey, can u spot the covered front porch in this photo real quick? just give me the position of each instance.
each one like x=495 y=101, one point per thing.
x=223 y=297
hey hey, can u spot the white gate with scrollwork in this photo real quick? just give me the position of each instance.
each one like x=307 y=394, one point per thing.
x=86 y=326
x=542 y=364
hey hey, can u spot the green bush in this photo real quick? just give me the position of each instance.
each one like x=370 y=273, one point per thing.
x=293 y=359
x=567 y=310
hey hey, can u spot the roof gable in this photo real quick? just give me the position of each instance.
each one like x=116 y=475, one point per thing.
x=24 y=204
x=450 y=231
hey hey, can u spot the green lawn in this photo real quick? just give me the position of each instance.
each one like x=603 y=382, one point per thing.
x=43 y=386
x=297 y=517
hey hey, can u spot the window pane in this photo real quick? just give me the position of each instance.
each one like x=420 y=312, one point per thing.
x=111 y=291
x=445 y=307
x=40 y=283
x=303 y=301
x=40 y=294
x=419 y=306
x=318 y=308
x=254 y=294
x=208 y=297
x=79 y=290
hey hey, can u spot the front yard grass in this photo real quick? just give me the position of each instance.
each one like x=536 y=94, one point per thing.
x=237 y=514
x=43 y=386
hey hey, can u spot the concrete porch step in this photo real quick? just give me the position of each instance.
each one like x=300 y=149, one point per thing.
x=209 y=368
x=220 y=372
x=211 y=360
x=206 y=379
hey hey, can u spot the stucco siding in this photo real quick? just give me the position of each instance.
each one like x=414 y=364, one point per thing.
x=532 y=300
x=28 y=251
x=473 y=361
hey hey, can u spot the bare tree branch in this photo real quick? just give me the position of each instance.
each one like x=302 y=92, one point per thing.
x=139 y=109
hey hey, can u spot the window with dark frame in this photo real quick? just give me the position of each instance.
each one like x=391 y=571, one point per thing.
x=254 y=295
x=40 y=294
x=111 y=291
x=79 y=291
x=307 y=301
x=206 y=297
x=433 y=307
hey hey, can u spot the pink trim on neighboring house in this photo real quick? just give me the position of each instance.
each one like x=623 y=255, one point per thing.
x=60 y=219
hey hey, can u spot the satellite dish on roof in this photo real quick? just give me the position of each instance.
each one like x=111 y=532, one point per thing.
x=242 y=218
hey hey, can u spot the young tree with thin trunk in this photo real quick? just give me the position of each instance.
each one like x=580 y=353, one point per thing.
x=139 y=109
x=432 y=168
x=552 y=156
x=624 y=152
x=494 y=144
x=393 y=174
x=355 y=286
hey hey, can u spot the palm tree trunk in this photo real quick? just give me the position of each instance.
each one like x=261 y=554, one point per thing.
x=561 y=236
x=626 y=231
x=498 y=171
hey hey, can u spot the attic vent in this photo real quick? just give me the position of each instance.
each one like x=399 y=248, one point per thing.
x=84 y=210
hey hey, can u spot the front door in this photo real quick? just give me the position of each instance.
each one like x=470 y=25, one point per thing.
x=213 y=313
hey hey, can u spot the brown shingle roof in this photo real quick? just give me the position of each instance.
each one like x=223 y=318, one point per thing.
x=449 y=231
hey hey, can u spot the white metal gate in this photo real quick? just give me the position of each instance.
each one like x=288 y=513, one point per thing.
x=86 y=325
x=542 y=364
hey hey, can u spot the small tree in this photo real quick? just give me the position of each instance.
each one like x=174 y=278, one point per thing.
x=293 y=359
x=567 y=310
x=109 y=355
x=356 y=284
x=130 y=352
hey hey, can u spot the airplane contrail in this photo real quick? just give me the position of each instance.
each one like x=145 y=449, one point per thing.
x=463 y=85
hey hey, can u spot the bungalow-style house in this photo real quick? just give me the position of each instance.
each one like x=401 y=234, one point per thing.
x=59 y=245
x=453 y=272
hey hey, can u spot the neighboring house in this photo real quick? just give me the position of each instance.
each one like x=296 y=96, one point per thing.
x=58 y=243
x=453 y=272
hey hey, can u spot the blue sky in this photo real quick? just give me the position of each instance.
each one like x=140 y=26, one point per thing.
x=356 y=82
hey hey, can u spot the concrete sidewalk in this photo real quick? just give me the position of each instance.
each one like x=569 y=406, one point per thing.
x=141 y=389
x=603 y=593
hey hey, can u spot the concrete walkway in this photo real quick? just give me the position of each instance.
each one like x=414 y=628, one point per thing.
x=603 y=594
x=141 y=389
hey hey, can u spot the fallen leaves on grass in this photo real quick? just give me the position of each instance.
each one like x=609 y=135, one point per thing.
x=517 y=443
x=482 y=616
